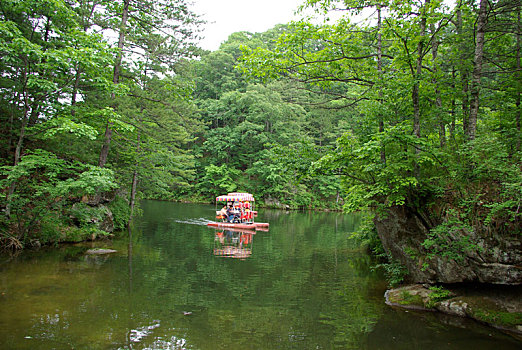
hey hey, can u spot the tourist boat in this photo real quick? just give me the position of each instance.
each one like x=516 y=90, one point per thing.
x=246 y=226
x=243 y=204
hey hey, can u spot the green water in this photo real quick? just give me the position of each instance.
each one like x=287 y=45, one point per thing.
x=175 y=284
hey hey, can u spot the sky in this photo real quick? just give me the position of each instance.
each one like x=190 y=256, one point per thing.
x=225 y=17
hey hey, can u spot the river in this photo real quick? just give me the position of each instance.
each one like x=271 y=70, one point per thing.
x=177 y=284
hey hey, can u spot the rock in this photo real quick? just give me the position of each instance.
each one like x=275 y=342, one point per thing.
x=496 y=257
x=34 y=243
x=107 y=224
x=499 y=308
x=409 y=297
x=100 y=215
x=99 y=251
x=454 y=307
x=97 y=199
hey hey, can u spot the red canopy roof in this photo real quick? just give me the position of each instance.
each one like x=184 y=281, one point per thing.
x=236 y=196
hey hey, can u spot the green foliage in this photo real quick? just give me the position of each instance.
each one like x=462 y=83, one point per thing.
x=66 y=90
x=120 y=212
x=51 y=228
x=407 y=298
x=503 y=318
x=219 y=180
x=451 y=239
x=496 y=198
x=395 y=272
x=80 y=234
x=438 y=294
x=45 y=183
x=85 y=214
x=332 y=115
x=367 y=235
x=324 y=54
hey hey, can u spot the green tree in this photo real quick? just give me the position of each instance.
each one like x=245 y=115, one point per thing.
x=42 y=43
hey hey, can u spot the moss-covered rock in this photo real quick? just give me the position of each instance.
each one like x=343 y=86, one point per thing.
x=500 y=309
x=411 y=297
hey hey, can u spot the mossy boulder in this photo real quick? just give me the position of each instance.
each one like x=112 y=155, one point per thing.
x=500 y=309
x=99 y=216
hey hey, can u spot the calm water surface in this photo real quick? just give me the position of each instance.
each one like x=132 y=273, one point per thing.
x=177 y=284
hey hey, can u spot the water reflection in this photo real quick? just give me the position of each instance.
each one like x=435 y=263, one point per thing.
x=232 y=243
x=306 y=286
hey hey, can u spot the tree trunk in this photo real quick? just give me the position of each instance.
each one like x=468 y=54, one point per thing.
x=464 y=74
x=86 y=24
x=418 y=71
x=477 y=68
x=21 y=138
x=465 y=102
x=12 y=111
x=17 y=155
x=134 y=187
x=379 y=71
x=33 y=116
x=121 y=42
x=453 y=109
x=518 y=81
x=438 y=99
x=76 y=85
x=104 y=153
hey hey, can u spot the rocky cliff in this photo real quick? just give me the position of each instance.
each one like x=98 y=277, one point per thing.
x=460 y=255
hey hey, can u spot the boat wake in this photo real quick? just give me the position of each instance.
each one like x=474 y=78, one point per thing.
x=198 y=221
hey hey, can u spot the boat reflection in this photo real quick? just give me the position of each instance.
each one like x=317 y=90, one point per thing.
x=233 y=243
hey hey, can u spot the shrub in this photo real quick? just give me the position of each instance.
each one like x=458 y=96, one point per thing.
x=438 y=294
x=120 y=212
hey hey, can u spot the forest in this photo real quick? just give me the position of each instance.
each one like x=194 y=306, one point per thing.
x=410 y=104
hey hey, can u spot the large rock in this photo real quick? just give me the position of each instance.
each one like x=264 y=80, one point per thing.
x=99 y=216
x=488 y=257
x=500 y=308
x=107 y=222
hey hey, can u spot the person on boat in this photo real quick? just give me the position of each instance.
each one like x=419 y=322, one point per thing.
x=222 y=213
x=230 y=213
x=245 y=212
x=237 y=212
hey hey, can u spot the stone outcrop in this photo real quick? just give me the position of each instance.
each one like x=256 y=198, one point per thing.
x=500 y=308
x=106 y=224
x=100 y=216
x=487 y=257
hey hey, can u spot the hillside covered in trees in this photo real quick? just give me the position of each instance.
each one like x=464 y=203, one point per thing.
x=413 y=111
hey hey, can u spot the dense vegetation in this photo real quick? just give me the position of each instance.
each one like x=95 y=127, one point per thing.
x=417 y=105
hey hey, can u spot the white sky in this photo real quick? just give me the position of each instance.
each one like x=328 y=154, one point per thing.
x=225 y=17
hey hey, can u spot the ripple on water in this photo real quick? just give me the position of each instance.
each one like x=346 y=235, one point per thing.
x=198 y=221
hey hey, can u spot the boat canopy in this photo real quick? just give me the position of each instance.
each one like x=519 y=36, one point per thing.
x=236 y=196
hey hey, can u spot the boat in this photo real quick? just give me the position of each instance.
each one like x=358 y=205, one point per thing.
x=242 y=204
x=246 y=226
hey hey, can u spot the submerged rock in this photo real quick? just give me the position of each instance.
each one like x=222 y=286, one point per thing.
x=99 y=251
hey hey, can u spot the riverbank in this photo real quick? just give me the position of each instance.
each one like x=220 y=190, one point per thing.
x=496 y=306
